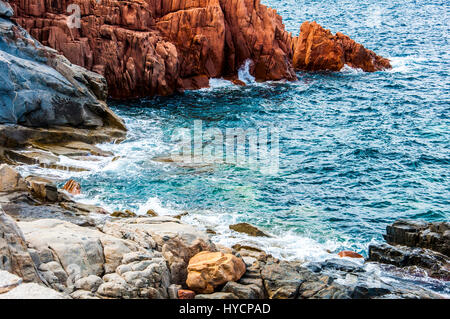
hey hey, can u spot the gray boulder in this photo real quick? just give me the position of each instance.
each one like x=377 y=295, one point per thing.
x=411 y=233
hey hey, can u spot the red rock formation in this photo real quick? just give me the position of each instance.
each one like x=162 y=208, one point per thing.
x=317 y=49
x=156 y=47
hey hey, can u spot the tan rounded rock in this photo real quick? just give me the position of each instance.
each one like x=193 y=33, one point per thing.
x=207 y=270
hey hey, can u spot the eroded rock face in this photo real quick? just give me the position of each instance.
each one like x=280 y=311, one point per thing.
x=41 y=88
x=207 y=270
x=436 y=265
x=150 y=47
x=15 y=257
x=317 y=49
x=416 y=244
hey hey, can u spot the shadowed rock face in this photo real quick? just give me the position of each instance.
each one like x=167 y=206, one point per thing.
x=41 y=88
x=317 y=49
x=157 y=47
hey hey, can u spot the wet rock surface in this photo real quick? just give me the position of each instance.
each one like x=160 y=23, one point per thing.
x=436 y=265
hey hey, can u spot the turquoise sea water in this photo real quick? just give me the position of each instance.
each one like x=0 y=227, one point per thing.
x=357 y=150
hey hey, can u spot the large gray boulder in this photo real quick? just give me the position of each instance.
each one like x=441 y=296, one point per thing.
x=41 y=88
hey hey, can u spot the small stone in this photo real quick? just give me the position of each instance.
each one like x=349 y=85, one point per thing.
x=238 y=82
x=186 y=294
x=173 y=291
x=181 y=215
x=217 y=295
x=125 y=214
x=72 y=187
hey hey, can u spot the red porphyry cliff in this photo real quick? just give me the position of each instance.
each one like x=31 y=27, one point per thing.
x=156 y=47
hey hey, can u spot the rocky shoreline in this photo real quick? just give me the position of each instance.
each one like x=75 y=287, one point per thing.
x=53 y=247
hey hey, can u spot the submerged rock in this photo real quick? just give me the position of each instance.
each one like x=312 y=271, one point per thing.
x=207 y=270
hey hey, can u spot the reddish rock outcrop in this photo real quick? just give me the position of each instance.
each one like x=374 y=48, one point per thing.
x=349 y=254
x=157 y=47
x=317 y=49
